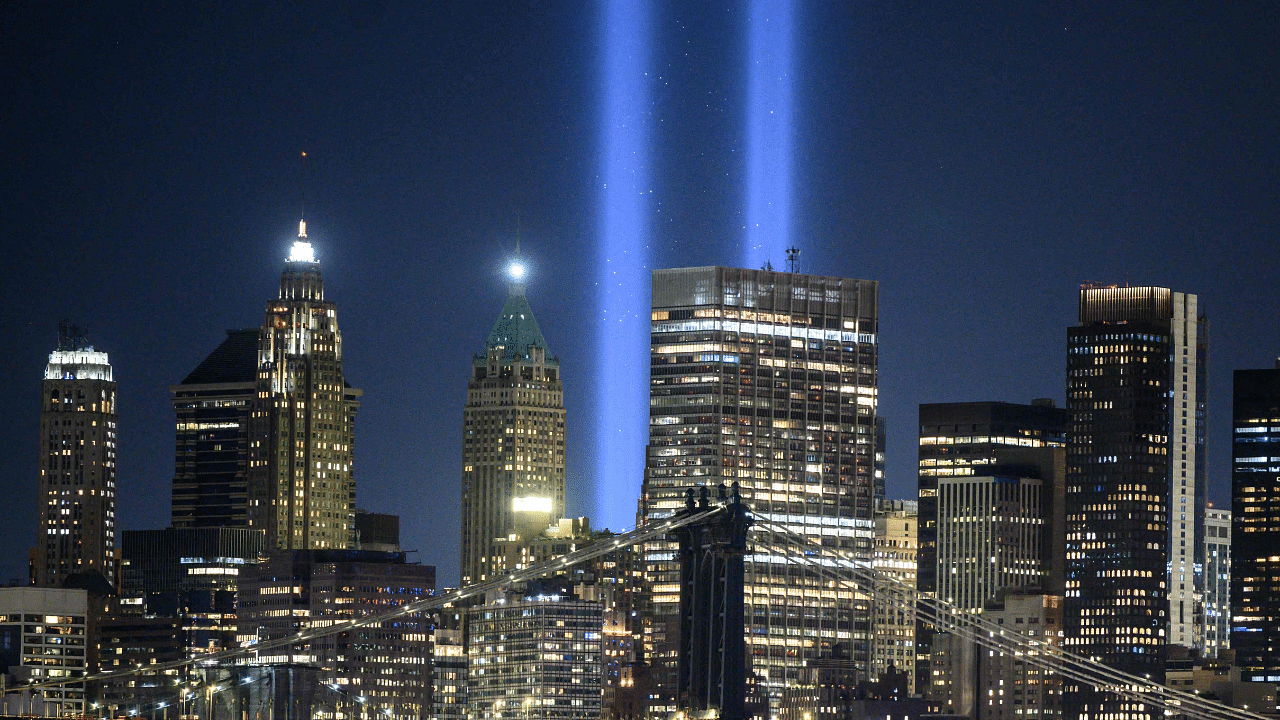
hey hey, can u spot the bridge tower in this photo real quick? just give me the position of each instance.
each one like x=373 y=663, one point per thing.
x=712 y=662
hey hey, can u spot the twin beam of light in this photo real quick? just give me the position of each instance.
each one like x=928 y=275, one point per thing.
x=769 y=137
x=622 y=342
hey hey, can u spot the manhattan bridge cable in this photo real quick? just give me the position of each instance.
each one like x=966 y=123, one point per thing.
x=857 y=575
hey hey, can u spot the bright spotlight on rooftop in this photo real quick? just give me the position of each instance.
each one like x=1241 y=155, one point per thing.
x=516 y=270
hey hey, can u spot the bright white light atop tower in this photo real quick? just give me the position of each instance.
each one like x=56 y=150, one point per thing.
x=516 y=270
x=302 y=252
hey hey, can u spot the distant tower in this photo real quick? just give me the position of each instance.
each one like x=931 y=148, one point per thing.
x=301 y=478
x=77 y=501
x=1135 y=498
x=513 y=435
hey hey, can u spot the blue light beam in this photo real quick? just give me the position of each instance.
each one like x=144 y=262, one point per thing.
x=622 y=400
x=769 y=137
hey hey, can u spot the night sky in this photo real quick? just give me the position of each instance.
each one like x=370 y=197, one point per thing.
x=979 y=161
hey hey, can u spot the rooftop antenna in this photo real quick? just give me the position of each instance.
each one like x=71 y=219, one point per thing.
x=793 y=259
x=517 y=234
x=302 y=222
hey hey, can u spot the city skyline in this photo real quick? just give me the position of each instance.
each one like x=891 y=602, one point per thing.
x=159 y=264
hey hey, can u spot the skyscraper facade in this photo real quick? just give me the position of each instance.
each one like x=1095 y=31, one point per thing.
x=301 y=478
x=1217 y=582
x=513 y=457
x=77 y=498
x=965 y=440
x=769 y=380
x=990 y=530
x=213 y=407
x=1255 y=520
x=894 y=626
x=1135 y=484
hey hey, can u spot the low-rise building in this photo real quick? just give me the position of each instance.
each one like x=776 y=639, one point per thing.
x=44 y=636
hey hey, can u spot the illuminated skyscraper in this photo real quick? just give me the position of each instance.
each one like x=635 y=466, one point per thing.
x=77 y=513
x=767 y=379
x=513 y=436
x=301 y=480
x=1217 y=582
x=1255 y=524
x=1135 y=485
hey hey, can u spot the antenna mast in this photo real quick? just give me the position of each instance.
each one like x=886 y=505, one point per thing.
x=302 y=222
x=793 y=259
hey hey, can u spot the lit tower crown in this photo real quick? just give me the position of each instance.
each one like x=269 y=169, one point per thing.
x=513 y=450
x=302 y=483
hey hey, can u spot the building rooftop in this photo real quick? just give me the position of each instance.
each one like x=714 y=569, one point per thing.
x=234 y=361
x=516 y=330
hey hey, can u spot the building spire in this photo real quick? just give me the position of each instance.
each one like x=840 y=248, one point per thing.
x=302 y=222
x=516 y=269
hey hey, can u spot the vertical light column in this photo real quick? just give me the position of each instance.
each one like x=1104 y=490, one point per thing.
x=622 y=357
x=769 y=84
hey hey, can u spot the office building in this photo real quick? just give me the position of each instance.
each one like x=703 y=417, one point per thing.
x=1255 y=520
x=44 y=636
x=213 y=406
x=769 y=380
x=135 y=641
x=894 y=627
x=1009 y=687
x=191 y=574
x=1135 y=485
x=76 y=517
x=1217 y=581
x=513 y=435
x=448 y=673
x=988 y=439
x=301 y=479
x=990 y=530
x=388 y=664
x=535 y=653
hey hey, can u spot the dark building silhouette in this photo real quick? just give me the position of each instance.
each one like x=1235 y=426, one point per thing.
x=1255 y=524
x=1135 y=486
x=211 y=462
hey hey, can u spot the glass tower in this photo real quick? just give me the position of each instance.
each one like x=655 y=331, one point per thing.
x=77 y=514
x=1255 y=524
x=767 y=379
x=1135 y=485
x=513 y=437
x=302 y=482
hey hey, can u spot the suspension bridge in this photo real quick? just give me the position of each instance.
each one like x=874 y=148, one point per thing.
x=712 y=664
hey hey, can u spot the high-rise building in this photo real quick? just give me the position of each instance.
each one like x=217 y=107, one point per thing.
x=44 y=636
x=1217 y=581
x=1255 y=519
x=1135 y=485
x=387 y=664
x=535 y=653
x=966 y=440
x=769 y=380
x=513 y=436
x=893 y=626
x=301 y=478
x=77 y=499
x=990 y=534
x=213 y=406
x=1010 y=687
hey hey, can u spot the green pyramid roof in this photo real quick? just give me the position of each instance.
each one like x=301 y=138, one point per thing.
x=516 y=330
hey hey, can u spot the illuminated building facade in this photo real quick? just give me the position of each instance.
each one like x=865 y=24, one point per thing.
x=1010 y=688
x=1135 y=486
x=965 y=440
x=990 y=530
x=448 y=674
x=77 y=498
x=387 y=664
x=1255 y=517
x=536 y=654
x=766 y=379
x=894 y=628
x=1217 y=581
x=213 y=406
x=513 y=436
x=43 y=636
x=301 y=479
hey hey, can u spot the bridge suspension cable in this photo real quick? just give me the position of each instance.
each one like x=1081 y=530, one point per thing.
x=642 y=533
x=972 y=626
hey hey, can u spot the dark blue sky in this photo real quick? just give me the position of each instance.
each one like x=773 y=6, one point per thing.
x=980 y=162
